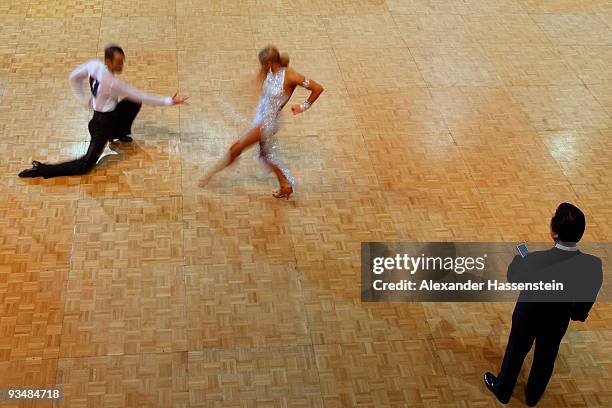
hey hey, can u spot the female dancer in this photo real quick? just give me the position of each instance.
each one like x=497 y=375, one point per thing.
x=278 y=83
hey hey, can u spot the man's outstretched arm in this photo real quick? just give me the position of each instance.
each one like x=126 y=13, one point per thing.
x=76 y=79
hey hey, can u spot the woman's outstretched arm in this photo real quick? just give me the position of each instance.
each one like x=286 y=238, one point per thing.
x=296 y=79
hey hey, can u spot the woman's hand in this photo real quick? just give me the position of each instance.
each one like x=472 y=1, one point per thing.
x=179 y=101
x=296 y=109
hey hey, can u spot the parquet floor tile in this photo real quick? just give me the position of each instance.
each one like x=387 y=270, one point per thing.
x=134 y=35
x=589 y=62
x=455 y=66
x=479 y=115
x=381 y=374
x=139 y=8
x=398 y=7
x=287 y=32
x=187 y=8
x=574 y=29
x=380 y=67
x=363 y=31
x=29 y=373
x=554 y=108
x=10 y=30
x=124 y=311
x=424 y=30
x=562 y=6
x=123 y=232
x=441 y=120
x=202 y=33
x=59 y=35
x=532 y=65
x=64 y=8
x=245 y=306
x=506 y=30
x=143 y=380
x=254 y=377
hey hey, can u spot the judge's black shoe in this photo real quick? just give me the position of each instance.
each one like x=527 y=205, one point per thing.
x=531 y=400
x=124 y=139
x=33 y=172
x=490 y=381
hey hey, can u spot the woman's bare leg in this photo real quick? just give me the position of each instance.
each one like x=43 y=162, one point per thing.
x=282 y=179
x=286 y=189
x=250 y=138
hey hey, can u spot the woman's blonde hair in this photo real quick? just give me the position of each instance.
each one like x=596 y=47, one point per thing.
x=271 y=55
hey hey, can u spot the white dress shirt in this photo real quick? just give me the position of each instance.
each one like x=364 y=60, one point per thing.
x=566 y=248
x=105 y=88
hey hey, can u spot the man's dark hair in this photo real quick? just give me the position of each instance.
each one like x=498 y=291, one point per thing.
x=568 y=223
x=109 y=52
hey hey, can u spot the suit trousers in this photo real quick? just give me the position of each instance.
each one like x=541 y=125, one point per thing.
x=104 y=126
x=547 y=339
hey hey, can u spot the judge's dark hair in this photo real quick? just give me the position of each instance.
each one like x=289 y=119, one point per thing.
x=568 y=223
x=109 y=52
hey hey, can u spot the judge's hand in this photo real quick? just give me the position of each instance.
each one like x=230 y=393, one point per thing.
x=179 y=101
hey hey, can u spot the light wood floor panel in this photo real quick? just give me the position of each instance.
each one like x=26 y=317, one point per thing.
x=532 y=65
x=10 y=29
x=245 y=305
x=422 y=7
x=479 y=115
x=58 y=34
x=506 y=30
x=202 y=33
x=556 y=108
x=139 y=8
x=424 y=30
x=65 y=8
x=590 y=62
x=381 y=67
x=194 y=8
x=145 y=380
x=381 y=374
x=455 y=66
x=122 y=312
x=35 y=372
x=254 y=377
x=441 y=120
x=290 y=33
x=367 y=31
x=405 y=113
x=562 y=6
x=134 y=35
x=575 y=29
x=120 y=233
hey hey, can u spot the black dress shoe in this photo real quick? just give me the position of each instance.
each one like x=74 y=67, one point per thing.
x=33 y=172
x=124 y=139
x=530 y=400
x=490 y=381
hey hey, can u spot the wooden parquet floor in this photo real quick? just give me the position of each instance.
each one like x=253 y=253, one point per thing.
x=462 y=120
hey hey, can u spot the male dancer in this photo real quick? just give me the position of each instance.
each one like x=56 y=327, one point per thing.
x=112 y=120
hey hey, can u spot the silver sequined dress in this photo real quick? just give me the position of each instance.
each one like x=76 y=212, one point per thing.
x=267 y=118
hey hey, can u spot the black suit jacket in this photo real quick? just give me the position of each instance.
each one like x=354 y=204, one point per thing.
x=581 y=275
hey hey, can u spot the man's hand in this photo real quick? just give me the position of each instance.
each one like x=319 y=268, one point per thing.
x=179 y=101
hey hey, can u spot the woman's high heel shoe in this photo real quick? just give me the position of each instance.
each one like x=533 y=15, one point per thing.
x=283 y=192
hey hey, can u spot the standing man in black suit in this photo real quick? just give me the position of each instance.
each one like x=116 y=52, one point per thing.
x=544 y=318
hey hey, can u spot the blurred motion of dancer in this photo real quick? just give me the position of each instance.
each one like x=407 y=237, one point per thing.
x=112 y=120
x=278 y=84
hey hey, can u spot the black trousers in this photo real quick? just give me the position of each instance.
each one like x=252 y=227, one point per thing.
x=547 y=336
x=104 y=126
